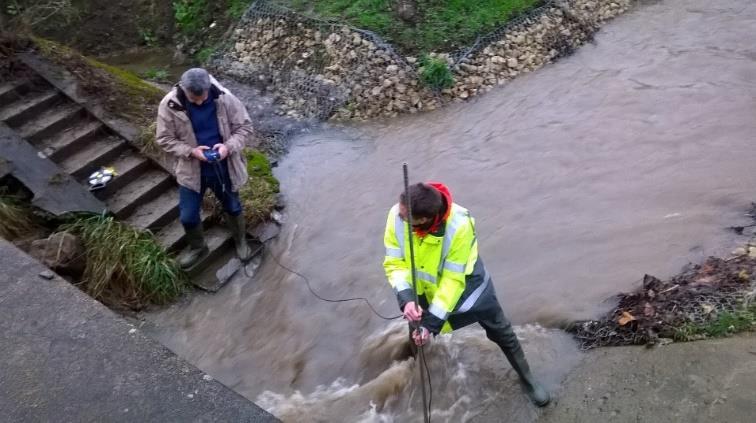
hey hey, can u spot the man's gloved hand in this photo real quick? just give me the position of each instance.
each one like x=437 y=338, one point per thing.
x=198 y=152
x=412 y=312
x=421 y=336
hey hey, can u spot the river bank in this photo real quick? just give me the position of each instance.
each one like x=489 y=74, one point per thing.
x=709 y=381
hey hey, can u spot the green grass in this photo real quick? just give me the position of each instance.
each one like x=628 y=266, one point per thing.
x=130 y=83
x=148 y=37
x=156 y=74
x=724 y=324
x=259 y=194
x=124 y=93
x=125 y=267
x=191 y=15
x=15 y=220
x=443 y=25
x=204 y=55
x=435 y=73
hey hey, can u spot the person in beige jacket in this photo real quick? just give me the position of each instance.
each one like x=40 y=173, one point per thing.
x=206 y=128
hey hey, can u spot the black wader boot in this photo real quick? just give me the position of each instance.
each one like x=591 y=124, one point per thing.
x=499 y=330
x=535 y=390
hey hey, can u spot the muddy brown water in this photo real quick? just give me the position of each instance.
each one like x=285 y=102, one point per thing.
x=630 y=157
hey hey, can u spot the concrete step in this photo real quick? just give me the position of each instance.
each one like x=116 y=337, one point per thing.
x=218 y=239
x=216 y=273
x=51 y=121
x=71 y=139
x=171 y=237
x=32 y=104
x=13 y=90
x=99 y=152
x=129 y=166
x=139 y=191
x=156 y=214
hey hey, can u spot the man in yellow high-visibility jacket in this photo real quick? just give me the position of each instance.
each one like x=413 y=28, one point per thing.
x=454 y=288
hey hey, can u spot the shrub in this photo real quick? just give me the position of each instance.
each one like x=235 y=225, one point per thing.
x=435 y=73
x=125 y=266
x=190 y=15
x=259 y=194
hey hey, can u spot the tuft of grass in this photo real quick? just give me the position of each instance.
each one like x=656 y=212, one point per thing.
x=435 y=73
x=129 y=83
x=441 y=25
x=125 y=266
x=724 y=324
x=258 y=196
x=148 y=142
x=15 y=218
x=148 y=37
x=204 y=55
x=156 y=74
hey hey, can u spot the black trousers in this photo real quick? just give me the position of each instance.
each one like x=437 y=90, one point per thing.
x=490 y=317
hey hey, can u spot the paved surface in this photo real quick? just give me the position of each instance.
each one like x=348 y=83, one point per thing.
x=707 y=381
x=67 y=358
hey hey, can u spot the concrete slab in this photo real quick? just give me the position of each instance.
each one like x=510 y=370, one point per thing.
x=38 y=173
x=67 y=358
x=6 y=168
x=706 y=381
x=266 y=231
x=213 y=274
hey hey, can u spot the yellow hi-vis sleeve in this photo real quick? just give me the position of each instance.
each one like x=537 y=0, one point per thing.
x=397 y=270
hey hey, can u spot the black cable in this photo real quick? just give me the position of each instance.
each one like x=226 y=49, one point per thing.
x=430 y=385
x=218 y=170
x=307 y=282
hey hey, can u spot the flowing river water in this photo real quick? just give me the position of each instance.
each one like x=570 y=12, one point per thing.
x=632 y=156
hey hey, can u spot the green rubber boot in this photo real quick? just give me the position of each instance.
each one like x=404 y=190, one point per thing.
x=237 y=226
x=196 y=250
x=537 y=393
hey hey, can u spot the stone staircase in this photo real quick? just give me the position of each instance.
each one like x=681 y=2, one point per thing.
x=143 y=194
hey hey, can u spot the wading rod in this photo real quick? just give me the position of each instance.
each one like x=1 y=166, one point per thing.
x=416 y=325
